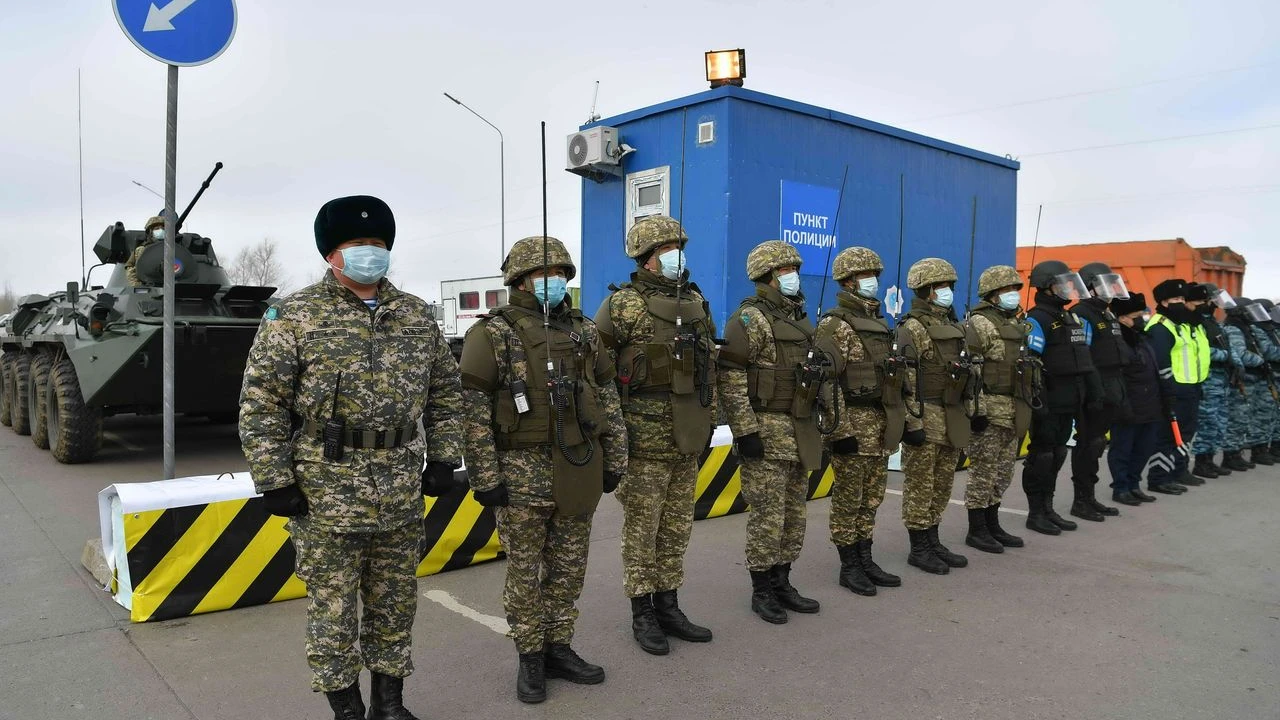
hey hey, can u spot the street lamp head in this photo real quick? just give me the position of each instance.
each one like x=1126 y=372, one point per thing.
x=456 y=100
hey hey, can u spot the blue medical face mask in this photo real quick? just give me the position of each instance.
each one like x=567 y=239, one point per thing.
x=157 y=234
x=789 y=284
x=672 y=263
x=943 y=297
x=550 y=290
x=868 y=287
x=1009 y=300
x=365 y=264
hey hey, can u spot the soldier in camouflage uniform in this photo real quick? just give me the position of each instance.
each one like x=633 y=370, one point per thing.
x=938 y=430
x=871 y=419
x=659 y=330
x=356 y=355
x=771 y=403
x=997 y=333
x=1211 y=435
x=1262 y=405
x=1272 y=329
x=541 y=446
x=1252 y=383
x=153 y=233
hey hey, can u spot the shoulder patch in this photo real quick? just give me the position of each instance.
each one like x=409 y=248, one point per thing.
x=272 y=313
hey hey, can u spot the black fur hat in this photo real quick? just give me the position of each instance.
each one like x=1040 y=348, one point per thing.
x=349 y=218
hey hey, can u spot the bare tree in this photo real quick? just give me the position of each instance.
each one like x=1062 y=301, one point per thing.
x=8 y=301
x=258 y=265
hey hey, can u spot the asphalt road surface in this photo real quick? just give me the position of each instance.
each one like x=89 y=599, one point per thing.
x=1170 y=611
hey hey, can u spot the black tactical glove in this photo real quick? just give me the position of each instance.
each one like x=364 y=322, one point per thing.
x=287 y=501
x=914 y=438
x=846 y=446
x=437 y=479
x=494 y=497
x=750 y=446
x=611 y=481
x=978 y=423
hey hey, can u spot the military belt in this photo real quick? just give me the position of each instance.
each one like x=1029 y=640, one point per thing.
x=360 y=438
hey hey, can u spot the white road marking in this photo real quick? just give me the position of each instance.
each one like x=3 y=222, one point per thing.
x=1012 y=511
x=121 y=442
x=496 y=624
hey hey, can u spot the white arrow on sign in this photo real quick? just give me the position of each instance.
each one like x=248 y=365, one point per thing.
x=158 y=19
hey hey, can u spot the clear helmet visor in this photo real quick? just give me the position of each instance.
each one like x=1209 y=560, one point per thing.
x=1256 y=313
x=1275 y=314
x=1069 y=287
x=1223 y=300
x=1110 y=286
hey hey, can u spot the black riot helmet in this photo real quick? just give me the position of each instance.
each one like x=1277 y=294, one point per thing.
x=1044 y=273
x=1103 y=282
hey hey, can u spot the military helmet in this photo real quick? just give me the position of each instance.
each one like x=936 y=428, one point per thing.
x=854 y=260
x=1045 y=273
x=996 y=277
x=1090 y=272
x=526 y=256
x=930 y=271
x=769 y=256
x=652 y=232
x=152 y=222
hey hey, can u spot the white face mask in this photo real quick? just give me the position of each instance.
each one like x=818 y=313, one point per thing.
x=789 y=284
x=943 y=297
x=868 y=287
x=1009 y=300
x=158 y=233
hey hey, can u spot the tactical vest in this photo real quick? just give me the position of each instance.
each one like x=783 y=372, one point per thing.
x=1000 y=376
x=1189 y=357
x=774 y=388
x=652 y=367
x=936 y=372
x=1110 y=352
x=863 y=379
x=1066 y=351
x=581 y=416
x=1250 y=344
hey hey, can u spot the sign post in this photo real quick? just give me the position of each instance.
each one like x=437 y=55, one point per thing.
x=183 y=32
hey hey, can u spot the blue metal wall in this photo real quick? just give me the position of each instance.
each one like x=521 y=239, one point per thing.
x=732 y=192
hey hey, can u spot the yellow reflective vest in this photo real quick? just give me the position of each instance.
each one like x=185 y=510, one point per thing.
x=1189 y=359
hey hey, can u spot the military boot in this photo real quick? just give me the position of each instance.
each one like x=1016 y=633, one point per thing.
x=979 y=536
x=997 y=532
x=1053 y=515
x=673 y=621
x=645 y=628
x=531 y=681
x=1258 y=455
x=787 y=595
x=1080 y=506
x=875 y=573
x=1090 y=496
x=346 y=704
x=1187 y=479
x=1204 y=467
x=1232 y=460
x=922 y=555
x=852 y=575
x=763 y=601
x=1221 y=471
x=563 y=663
x=1036 y=518
x=944 y=553
x=386 y=699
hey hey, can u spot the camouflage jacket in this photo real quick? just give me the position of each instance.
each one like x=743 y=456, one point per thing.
x=625 y=320
x=986 y=345
x=131 y=265
x=395 y=369
x=913 y=334
x=527 y=472
x=865 y=422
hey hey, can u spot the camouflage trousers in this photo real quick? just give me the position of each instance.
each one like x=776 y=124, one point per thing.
x=856 y=494
x=657 y=520
x=1211 y=433
x=929 y=473
x=546 y=564
x=1261 y=413
x=378 y=566
x=992 y=453
x=776 y=490
x=1238 y=415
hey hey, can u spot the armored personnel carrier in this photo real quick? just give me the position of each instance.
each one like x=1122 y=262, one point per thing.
x=75 y=356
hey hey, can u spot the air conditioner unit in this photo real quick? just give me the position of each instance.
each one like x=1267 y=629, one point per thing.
x=593 y=148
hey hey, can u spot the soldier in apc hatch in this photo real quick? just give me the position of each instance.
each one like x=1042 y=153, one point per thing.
x=152 y=233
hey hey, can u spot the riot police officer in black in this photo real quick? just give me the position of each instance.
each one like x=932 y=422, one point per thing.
x=1072 y=387
x=1110 y=356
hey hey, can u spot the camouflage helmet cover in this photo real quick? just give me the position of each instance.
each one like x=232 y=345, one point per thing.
x=652 y=232
x=153 y=221
x=996 y=277
x=854 y=260
x=769 y=256
x=526 y=256
x=930 y=271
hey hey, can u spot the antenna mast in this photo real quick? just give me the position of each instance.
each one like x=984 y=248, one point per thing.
x=80 y=152
x=592 y=117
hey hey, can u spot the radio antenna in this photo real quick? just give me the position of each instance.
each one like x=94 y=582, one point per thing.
x=835 y=240
x=1034 y=244
x=84 y=281
x=592 y=117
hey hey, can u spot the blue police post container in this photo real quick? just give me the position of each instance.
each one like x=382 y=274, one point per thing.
x=738 y=167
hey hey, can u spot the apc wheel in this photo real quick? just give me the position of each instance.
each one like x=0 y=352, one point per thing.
x=39 y=375
x=75 y=430
x=19 y=393
x=6 y=418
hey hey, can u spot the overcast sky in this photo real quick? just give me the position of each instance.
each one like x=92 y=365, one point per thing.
x=323 y=98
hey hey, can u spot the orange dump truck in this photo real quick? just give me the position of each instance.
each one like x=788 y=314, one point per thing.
x=1145 y=264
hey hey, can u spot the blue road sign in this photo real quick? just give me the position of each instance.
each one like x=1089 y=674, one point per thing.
x=808 y=221
x=178 y=32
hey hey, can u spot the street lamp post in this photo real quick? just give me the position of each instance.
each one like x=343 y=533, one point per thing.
x=502 y=194
x=144 y=187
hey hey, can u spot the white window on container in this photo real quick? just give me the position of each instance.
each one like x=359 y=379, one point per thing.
x=648 y=193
